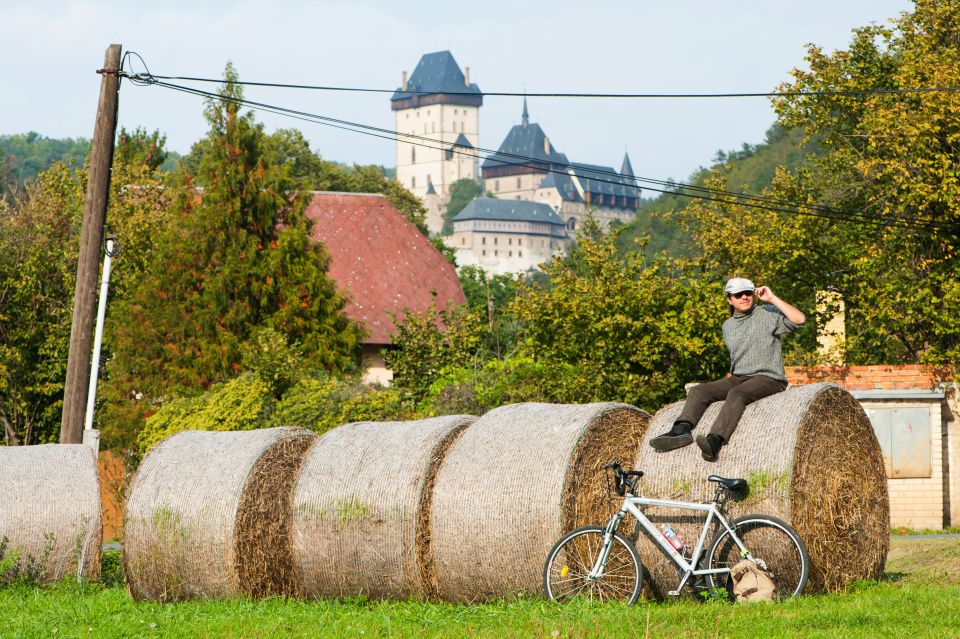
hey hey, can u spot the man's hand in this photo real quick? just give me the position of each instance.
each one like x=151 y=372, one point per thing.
x=764 y=294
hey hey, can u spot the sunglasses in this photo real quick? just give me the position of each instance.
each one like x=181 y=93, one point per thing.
x=741 y=294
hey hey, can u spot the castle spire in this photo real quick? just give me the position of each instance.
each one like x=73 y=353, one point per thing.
x=526 y=116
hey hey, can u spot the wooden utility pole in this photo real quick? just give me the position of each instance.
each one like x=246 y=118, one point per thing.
x=91 y=239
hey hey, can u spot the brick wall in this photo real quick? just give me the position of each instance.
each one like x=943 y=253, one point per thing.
x=915 y=502
x=884 y=377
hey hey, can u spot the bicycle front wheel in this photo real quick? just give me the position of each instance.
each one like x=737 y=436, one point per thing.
x=770 y=540
x=565 y=575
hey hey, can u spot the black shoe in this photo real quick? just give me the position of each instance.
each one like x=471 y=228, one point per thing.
x=710 y=446
x=677 y=437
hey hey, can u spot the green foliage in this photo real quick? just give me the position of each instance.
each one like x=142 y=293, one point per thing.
x=750 y=169
x=498 y=382
x=235 y=258
x=23 y=569
x=277 y=363
x=888 y=163
x=141 y=148
x=635 y=330
x=29 y=154
x=39 y=240
x=490 y=295
x=320 y=405
x=462 y=192
x=428 y=342
x=111 y=569
x=243 y=403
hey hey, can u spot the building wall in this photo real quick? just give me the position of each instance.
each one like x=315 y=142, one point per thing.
x=505 y=246
x=417 y=165
x=375 y=369
x=931 y=501
x=515 y=187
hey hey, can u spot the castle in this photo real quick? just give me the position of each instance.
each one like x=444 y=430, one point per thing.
x=437 y=112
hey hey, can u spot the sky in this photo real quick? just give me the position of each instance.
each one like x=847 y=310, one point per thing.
x=52 y=48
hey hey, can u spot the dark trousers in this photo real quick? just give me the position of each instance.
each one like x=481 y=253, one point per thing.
x=736 y=392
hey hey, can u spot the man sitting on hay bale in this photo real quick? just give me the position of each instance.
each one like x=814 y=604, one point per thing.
x=752 y=335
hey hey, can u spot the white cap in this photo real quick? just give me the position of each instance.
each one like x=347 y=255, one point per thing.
x=737 y=285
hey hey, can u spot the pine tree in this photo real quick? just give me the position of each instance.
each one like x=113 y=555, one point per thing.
x=236 y=257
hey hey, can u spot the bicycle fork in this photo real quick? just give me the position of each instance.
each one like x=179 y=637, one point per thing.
x=597 y=571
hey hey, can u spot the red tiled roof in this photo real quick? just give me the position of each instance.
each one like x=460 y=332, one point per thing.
x=380 y=260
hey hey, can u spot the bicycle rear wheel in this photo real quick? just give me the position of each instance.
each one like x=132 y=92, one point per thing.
x=574 y=556
x=770 y=540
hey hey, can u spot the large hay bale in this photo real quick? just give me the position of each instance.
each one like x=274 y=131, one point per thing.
x=362 y=506
x=811 y=458
x=518 y=478
x=50 y=510
x=209 y=513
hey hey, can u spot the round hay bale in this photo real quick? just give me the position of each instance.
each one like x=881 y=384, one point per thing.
x=811 y=458
x=517 y=479
x=209 y=514
x=361 y=507
x=50 y=519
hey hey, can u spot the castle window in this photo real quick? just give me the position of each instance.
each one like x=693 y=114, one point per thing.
x=518 y=183
x=461 y=127
x=484 y=253
x=463 y=240
x=510 y=241
x=413 y=155
x=495 y=253
x=494 y=240
x=483 y=240
x=496 y=185
x=519 y=253
x=433 y=127
x=511 y=254
x=413 y=182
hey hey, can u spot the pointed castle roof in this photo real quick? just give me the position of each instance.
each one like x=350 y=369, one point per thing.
x=626 y=168
x=526 y=140
x=436 y=75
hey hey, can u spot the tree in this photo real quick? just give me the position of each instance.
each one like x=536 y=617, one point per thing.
x=39 y=240
x=235 y=257
x=888 y=186
x=634 y=330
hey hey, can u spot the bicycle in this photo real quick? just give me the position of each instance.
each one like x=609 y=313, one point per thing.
x=599 y=562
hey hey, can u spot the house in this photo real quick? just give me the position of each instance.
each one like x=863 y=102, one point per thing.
x=383 y=264
x=507 y=236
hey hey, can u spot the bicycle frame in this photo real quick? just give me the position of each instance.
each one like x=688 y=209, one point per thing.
x=632 y=505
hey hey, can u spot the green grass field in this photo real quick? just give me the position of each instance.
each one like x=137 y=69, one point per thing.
x=919 y=598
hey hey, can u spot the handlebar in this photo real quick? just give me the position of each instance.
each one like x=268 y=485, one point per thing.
x=624 y=478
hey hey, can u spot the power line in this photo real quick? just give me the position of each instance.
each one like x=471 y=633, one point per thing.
x=412 y=92
x=705 y=193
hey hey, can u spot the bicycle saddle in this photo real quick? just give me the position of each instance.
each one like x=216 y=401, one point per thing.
x=733 y=485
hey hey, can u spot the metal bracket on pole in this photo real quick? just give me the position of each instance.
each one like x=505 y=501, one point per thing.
x=91 y=436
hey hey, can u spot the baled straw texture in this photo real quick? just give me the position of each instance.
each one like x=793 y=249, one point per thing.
x=513 y=483
x=811 y=458
x=208 y=515
x=362 y=505
x=50 y=510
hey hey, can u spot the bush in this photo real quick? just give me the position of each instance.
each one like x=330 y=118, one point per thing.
x=499 y=382
x=244 y=403
x=320 y=405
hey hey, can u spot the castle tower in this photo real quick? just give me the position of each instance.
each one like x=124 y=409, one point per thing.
x=440 y=106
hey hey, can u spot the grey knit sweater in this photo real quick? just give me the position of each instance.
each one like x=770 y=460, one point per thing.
x=753 y=339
